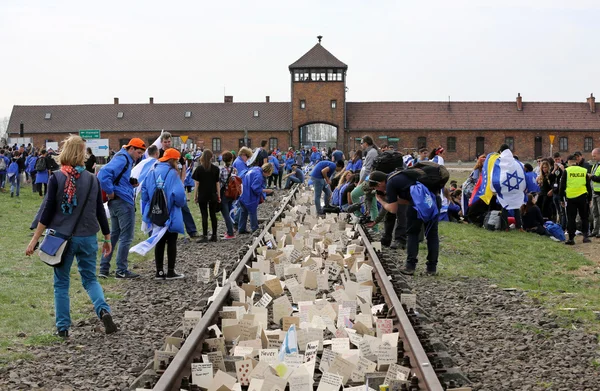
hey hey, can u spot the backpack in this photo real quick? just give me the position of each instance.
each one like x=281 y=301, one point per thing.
x=233 y=186
x=432 y=175
x=335 y=196
x=2 y=164
x=40 y=164
x=158 y=213
x=425 y=202
x=555 y=230
x=492 y=220
x=342 y=190
x=388 y=161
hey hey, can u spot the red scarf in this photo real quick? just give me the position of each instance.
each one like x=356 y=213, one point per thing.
x=70 y=192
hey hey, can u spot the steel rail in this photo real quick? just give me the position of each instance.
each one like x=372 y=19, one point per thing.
x=181 y=364
x=419 y=361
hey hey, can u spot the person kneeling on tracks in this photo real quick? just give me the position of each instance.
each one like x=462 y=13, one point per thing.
x=164 y=178
x=419 y=188
x=62 y=214
x=252 y=194
x=295 y=176
x=321 y=175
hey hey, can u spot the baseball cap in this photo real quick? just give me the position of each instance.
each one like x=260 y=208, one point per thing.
x=136 y=143
x=377 y=176
x=170 y=153
x=188 y=156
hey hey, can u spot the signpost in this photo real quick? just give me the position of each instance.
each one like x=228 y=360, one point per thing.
x=183 y=139
x=99 y=146
x=89 y=134
x=551 y=136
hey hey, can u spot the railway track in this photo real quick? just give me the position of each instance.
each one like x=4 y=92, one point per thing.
x=380 y=356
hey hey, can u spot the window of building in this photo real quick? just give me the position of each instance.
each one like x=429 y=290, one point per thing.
x=188 y=114
x=301 y=75
x=588 y=144
x=120 y=115
x=273 y=143
x=510 y=141
x=451 y=144
x=216 y=145
x=241 y=143
x=334 y=104
x=317 y=75
x=302 y=104
x=563 y=144
x=255 y=114
x=421 y=142
x=48 y=116
x=123 y=141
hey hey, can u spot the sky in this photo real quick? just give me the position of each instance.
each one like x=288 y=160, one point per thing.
x=80 y=52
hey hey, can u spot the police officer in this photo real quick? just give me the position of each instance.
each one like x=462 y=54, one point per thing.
x=575 y=188
x=595 y=178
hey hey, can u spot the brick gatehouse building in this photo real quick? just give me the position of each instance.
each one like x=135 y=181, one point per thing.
x=318 y=114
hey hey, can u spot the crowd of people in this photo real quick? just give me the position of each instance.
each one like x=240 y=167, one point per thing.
x=235 y=183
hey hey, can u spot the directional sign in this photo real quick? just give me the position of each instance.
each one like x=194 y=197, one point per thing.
x=393 y=139
x=383 y=137
x=89 y=133
x=551 y=138
x=99 y=146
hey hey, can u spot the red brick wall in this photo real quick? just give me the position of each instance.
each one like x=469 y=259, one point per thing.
x=524 y=141
x=229 y=140
x=318 y=97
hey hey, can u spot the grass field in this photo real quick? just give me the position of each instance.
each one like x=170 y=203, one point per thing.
x=548 y=270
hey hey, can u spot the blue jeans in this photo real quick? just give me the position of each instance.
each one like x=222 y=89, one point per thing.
x=188 y=220
x=85 y=249
x=15 y=182
x=225 y=208
x=290 y=179
x=244 y=213
x=414 y=226
x=122 y=222
x=321 y=187
x=2 y=179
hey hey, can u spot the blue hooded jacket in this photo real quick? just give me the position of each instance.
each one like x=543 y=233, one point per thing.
x=275 y=163
x=111 y=171
x=315 y=156
x=240 y=166
x=253 y=184
x=174 y=192
x=30 y=163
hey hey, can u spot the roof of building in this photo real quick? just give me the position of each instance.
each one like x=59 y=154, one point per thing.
x=471 y=116
x=318 y=57
x=272 y=116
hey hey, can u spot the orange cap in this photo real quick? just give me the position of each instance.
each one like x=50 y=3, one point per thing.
x=136 y=143
x=170 y=153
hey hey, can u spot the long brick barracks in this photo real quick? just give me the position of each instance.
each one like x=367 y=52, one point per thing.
x=319 y=115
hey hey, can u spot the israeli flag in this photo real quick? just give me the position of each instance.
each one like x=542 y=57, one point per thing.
x=508 y=181
x=142 y=248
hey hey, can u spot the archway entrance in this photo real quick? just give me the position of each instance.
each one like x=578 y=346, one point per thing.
x=320 y=135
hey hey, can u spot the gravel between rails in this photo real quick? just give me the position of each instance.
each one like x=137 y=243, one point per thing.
x=149 y=311
x=503 y=340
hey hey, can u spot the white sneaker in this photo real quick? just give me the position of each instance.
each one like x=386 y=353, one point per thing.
x=578 y=232
x=555 y=239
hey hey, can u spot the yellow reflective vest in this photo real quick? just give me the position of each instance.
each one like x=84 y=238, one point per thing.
x=576 y=181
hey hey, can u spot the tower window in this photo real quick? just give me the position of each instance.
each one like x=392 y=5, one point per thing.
x=255 y=114
x=302 y=104
x=334 y=104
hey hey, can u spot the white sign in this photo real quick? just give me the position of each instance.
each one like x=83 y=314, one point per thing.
x=52 y=145
x=99 y=146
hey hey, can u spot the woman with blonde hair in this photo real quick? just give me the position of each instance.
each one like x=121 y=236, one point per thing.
x=207 y=193
x=73 y=210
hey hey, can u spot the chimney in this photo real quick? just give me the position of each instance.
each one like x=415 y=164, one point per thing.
x=116 y=101
x=592 y=102
x=228 y=98
x=519 y=102
x=151 y=100
x=268 y=98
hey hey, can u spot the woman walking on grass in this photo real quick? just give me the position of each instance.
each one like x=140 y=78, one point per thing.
x=207 y=193
x=74 y=192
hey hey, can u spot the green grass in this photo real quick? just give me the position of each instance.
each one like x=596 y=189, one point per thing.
x=26 y=291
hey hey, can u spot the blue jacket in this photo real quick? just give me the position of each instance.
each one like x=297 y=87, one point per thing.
x=530 y=180
x=288 y=163
x=240 y=166
x=111 y=171
x=316 y=172
x=174 y=192
x=315 y=156
x=252 y=184
x=275 y=163
x=354 y=166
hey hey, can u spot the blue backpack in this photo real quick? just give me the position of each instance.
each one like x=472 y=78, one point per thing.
x=424 y=202
x=555 y=230
x=335 y=196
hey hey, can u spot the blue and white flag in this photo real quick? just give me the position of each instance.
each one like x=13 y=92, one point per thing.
x=142 y=248
x=508 y=181
x=290 y=343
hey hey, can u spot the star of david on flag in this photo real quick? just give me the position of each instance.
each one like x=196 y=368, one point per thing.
x=510 y=176
x=508 y=181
